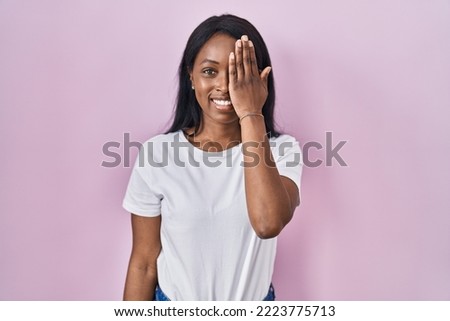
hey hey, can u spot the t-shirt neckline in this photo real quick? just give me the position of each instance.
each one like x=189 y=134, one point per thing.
x=222 y=153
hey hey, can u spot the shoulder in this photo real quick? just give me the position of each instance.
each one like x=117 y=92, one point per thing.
x=161 y=141
x=286 y=151
x=284 y=144
x=287 y=155
x=158 y=147
x=283 y=138
x=163 y=138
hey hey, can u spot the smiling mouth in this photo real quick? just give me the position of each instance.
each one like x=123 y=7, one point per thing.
x=222 y=102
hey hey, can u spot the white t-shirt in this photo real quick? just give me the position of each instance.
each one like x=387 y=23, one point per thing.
x=209 y=249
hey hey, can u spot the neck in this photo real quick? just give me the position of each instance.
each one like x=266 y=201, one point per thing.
x=213 y=136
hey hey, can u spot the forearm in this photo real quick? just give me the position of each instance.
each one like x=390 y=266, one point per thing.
x=141 y=282
x=268 y=202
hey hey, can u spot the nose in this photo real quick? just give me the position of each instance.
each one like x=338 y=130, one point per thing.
x=222 y=82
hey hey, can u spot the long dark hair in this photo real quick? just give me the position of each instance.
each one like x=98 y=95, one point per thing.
x=188 y=113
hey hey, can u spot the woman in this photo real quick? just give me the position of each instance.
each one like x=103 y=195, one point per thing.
x=209 y=197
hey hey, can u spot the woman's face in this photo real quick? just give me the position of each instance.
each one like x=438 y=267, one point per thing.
x=209 y=77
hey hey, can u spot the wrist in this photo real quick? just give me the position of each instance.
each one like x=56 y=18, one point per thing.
x=250 y=115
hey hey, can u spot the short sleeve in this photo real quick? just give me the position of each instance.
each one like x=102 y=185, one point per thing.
x=140 y=198
x=288 y=157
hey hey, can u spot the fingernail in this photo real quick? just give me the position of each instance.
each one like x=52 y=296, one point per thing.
x=239 y=43
x=232 y=55
x=244 y=38
x=250 y=43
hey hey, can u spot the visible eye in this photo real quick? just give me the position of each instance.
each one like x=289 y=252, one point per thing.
x=209 y=72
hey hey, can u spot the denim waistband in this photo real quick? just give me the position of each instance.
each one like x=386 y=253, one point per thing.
x=160 y=296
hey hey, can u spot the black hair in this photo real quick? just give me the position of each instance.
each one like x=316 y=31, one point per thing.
x=188 y=113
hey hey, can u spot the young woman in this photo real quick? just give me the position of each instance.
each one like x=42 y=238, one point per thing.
x=209 y=197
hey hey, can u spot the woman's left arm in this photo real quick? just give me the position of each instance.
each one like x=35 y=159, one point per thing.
x=271 y=198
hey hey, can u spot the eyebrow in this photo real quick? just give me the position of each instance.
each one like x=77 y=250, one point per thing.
x=210 y=61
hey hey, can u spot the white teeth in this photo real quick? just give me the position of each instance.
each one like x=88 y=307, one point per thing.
x=222 y=102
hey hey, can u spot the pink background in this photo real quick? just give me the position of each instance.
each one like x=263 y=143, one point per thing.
x=77 y=74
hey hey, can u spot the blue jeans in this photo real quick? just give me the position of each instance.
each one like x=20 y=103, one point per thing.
x=160 y=296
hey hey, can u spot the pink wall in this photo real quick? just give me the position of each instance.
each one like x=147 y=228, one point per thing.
x=77 y=74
